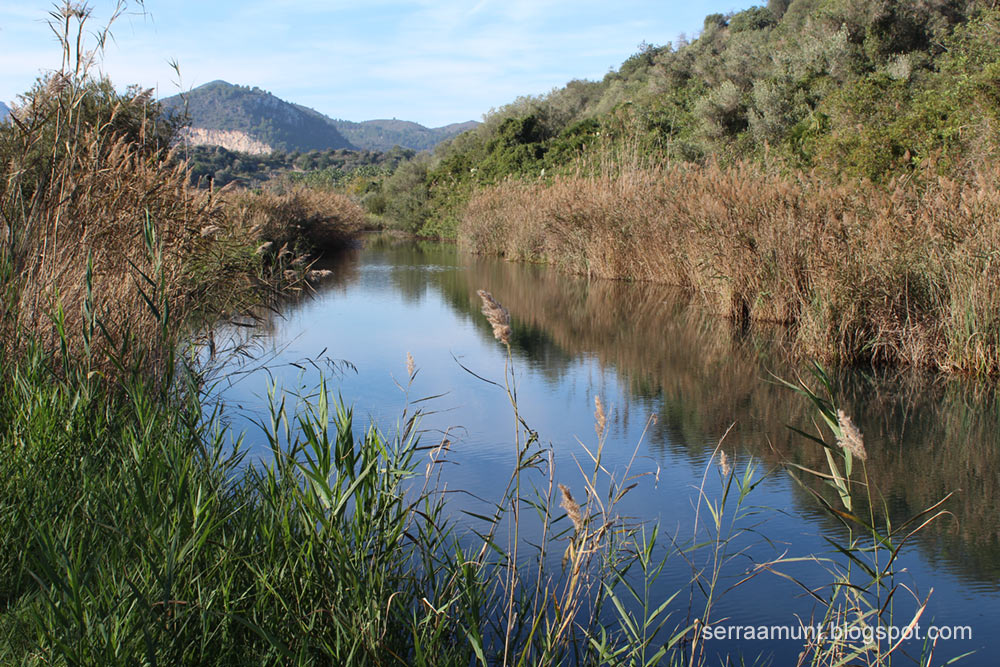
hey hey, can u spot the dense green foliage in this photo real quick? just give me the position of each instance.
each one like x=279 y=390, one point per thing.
x=333 y=167
x=134 y=532
x=851 y=89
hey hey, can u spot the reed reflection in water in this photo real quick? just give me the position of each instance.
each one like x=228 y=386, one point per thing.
x=927 y=437
x=645 y=351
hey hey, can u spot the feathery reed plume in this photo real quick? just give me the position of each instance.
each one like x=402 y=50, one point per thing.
x=572 y=508
x=497 y=316
x=600 y=419
x=850 y=438
x=724 y=464
x=411 y=367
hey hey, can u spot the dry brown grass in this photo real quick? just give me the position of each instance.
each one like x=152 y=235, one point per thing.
x=322 y=219
x=899 y=274
x=106 y=250
x=100 y=242
x=92 y=219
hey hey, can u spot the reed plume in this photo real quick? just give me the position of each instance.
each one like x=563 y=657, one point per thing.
x=600 y=419
x=850 y=438
x=497 y=316
x=572 y=508
x=724 y=465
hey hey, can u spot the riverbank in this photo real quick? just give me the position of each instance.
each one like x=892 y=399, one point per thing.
x=137 y=529
x=573 y=339
x=902 y=273
x=108 y=252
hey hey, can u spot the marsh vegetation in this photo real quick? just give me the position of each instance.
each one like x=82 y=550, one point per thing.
x=825 y=164
x=140 y=528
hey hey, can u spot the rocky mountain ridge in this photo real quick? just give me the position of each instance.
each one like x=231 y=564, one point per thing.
x=253 y=120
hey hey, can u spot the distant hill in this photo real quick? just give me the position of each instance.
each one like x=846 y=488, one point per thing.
x=252 y=120
x=4 y=112
x=381 y=135
x=255 y=117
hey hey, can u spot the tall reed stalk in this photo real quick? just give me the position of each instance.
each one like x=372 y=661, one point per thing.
x=864 y=590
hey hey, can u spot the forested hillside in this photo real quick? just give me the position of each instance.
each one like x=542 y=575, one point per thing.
x=257 y=117
x=331 y=168
x=849 y=88
x=258 y=114
x=826 y=164
x=383 y=135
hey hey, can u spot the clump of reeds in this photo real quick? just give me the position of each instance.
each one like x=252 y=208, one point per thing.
x=100 y=226
x=294 y=214
x=105 y=244
x=104 y=237
x=897 y=273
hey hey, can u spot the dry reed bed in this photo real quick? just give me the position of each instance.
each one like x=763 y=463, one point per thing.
x=321 y=218
x=105 y=243
x=903 y=274
x=112 y=227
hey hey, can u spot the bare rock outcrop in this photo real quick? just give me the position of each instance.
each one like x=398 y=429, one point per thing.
x=233 y=140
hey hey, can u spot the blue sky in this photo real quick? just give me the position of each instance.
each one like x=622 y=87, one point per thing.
x=434 y=62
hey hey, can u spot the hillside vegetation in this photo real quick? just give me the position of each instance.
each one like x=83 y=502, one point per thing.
x=850 y=89
x=257 y=113
x=384 y=135
x=824 y=163
x=343 y=168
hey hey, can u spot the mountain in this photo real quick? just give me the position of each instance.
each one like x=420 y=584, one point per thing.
x=252 y=120
x=4 y=112
x=381 y=135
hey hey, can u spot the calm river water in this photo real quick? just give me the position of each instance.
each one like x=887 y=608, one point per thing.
x=674 y=379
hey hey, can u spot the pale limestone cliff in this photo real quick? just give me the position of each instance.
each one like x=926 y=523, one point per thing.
x=229 y=139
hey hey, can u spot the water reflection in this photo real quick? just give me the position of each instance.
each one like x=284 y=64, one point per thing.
x=926 y=437
x=646 y=350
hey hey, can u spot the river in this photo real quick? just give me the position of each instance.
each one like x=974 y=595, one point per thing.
x=674 y=380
